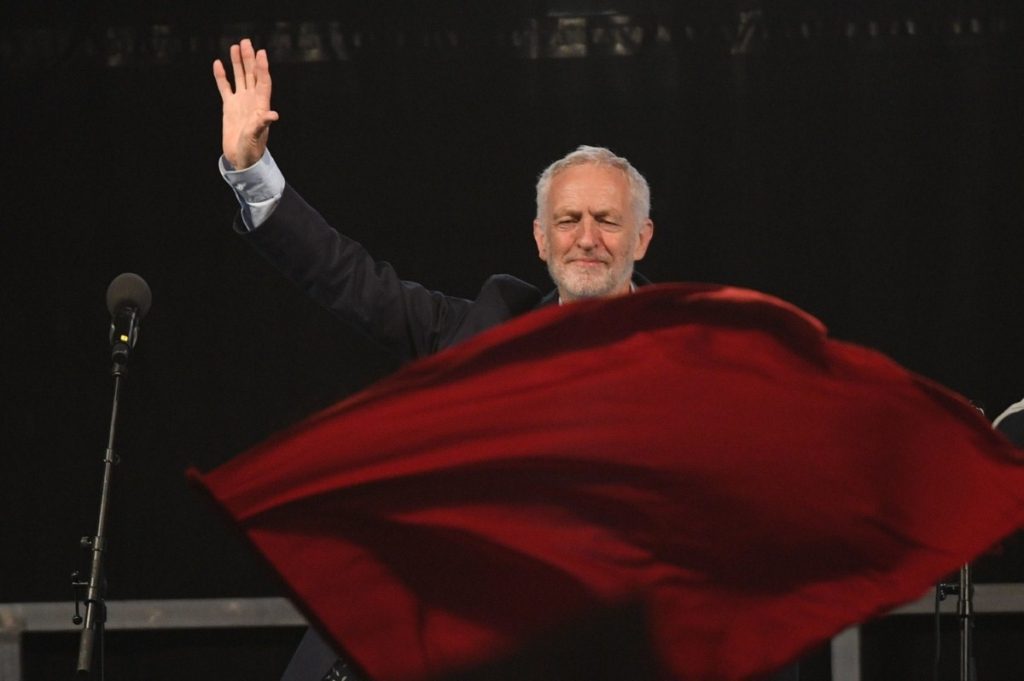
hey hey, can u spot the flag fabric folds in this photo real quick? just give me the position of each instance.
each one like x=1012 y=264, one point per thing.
x=705 y=449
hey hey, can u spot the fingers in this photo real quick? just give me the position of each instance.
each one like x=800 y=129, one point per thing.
x=221 y=78
x=249 y=69
x=263 y=121
x=236 y=67
x=248 y=63
x=262 y=70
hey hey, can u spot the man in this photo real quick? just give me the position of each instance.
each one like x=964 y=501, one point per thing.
x=592 y=224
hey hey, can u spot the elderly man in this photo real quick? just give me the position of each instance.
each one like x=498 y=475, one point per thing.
x=592 y=225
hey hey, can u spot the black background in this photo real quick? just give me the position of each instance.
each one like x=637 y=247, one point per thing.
x=874 y=180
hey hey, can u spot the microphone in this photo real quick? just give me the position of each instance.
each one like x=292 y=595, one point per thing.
x=128 y=299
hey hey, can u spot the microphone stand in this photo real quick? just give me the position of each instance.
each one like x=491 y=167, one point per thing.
x=963 y=589
x=95 y=605
x=128 y=300
x=965 y=613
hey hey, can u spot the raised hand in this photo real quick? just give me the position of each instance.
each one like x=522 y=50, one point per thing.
x=247 y=112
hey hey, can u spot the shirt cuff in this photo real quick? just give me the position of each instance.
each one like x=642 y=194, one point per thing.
x=258 y=188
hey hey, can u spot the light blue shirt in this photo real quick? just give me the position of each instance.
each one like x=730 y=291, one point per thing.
x=258 y=188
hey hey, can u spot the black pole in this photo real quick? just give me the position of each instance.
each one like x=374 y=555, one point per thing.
x=128 y=301
x=95 y=605
x=965 y=612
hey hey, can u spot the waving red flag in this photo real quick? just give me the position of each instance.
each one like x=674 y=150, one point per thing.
x=707 y=450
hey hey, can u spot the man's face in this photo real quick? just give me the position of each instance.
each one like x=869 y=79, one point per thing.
x=588 y=234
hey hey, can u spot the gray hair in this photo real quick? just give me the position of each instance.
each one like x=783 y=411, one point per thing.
x=639 y=191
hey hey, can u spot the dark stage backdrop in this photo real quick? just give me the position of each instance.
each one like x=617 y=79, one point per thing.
x=863 y=163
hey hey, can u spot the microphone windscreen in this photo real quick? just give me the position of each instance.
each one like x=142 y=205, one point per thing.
x=129 y=290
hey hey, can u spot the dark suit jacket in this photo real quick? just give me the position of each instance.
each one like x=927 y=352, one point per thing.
x=405 y=317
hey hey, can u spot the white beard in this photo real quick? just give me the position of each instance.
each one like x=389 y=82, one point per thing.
x=577 y=282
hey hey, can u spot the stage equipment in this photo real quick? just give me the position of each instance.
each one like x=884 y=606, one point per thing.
x=1011 y=423
x=964 y=590
x=128 y=300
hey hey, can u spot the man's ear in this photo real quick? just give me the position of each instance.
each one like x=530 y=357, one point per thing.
x=541 y=237
x=643 y=239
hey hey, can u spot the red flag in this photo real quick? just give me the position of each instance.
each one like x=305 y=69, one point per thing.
x=707 y=450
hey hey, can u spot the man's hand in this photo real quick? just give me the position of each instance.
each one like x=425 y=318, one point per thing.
x=247 y=113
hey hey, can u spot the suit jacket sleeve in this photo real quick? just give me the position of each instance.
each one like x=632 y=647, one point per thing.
x=404 y=316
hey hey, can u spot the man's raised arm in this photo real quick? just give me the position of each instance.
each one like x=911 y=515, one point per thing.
x=247 y=112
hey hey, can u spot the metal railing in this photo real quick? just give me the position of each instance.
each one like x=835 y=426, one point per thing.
x=212 y=613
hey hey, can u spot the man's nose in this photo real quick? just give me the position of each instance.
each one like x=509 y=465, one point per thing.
x=589 y=234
